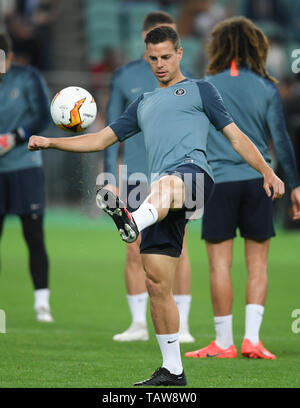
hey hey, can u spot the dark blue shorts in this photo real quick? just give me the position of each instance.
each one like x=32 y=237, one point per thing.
x=166 y=237
x=238 y=204
x=22 y=192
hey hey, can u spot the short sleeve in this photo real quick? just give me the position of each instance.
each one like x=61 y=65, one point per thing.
x=127 y=125
x=213 y=105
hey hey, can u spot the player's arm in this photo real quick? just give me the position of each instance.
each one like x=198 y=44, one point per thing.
x=90 y=142
x=123 y=128
x=295 y=199
x=249 y=152
x=37 y=118
x=215 y=110
x=284 y=148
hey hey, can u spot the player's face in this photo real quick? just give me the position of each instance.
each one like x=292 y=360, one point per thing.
x=165 y=62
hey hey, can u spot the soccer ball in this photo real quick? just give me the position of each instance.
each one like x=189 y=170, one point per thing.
x=73 y=109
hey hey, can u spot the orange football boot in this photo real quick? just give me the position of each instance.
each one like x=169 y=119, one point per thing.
x=256 y=350
x=214 y=351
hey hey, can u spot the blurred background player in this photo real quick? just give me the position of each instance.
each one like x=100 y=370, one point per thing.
x=129 y=82
x=237 y=54
x=24 y=110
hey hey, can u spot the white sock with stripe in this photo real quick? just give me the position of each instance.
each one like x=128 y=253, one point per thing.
x=170 y=350
x=145 y=216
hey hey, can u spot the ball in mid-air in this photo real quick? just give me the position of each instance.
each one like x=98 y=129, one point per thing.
x=73 y=109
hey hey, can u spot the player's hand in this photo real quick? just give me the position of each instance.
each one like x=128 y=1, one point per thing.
x=271 y=181
x=38 y=143
x=7 y=142
x=295 y=198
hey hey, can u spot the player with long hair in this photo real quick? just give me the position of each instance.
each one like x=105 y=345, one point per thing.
x=237 y=53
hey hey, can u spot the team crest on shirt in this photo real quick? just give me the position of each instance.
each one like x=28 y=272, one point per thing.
x=179 y=92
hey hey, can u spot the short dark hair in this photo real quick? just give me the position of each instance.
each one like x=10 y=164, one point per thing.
x=155 y=18
x=5 y=43
x=161 y=34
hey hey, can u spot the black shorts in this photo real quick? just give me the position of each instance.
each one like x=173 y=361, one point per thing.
x=166 y=237
x=238 y=204
x=22 y=192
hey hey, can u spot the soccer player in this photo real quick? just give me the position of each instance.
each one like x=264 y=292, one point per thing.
x=24 y=109
x=175 y=120
x=128 y=83
x=237 y=53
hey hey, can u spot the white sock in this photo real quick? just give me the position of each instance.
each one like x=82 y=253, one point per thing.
x=223 y=327
x=41 y=298
x=170 y=350
x=254 y=316
x=145 y=216
x=138 y=306
x=183 y=303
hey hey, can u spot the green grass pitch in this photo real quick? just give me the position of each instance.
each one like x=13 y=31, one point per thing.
x=89 y=306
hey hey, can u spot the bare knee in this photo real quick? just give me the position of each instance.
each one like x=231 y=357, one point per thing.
x=156 y=289
x=219 y=267
x=220 y=256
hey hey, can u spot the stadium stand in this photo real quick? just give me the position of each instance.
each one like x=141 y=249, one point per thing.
x=102 y=27
x=192 y=50
x=133 y=15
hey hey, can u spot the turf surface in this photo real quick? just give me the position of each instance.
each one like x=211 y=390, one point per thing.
x=89 y=307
